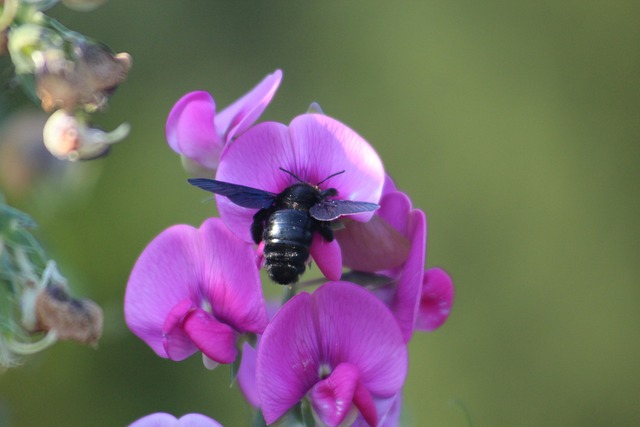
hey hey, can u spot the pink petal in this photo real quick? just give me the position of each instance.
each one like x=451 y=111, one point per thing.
x=436 y=300
x=208 y=267
x=371 y=246
x=355 y=327
x=177 y=344
x=339 y=323
x=331 y=398
x=365 y=404
x=197 y=420
x=161 y=419
x=163 y=276
x=327 y=256
x=239 y=116
x=190 y=129
x=312 y=148
x=216 y=340
x=407 y=297
x=324 y=146
x=247 y=375
x=381 y=243
x=231 y=280
x=389 y=409
x=254 y=160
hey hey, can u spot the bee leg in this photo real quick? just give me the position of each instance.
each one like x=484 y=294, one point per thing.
x=325 y=230
x=257 y=226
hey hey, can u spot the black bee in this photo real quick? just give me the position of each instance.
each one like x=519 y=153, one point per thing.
x=286 y=221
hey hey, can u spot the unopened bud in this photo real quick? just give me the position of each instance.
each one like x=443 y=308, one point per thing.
x=71 y=319
x=69 y=138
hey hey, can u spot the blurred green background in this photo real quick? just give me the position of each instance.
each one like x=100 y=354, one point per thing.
x=513 y=125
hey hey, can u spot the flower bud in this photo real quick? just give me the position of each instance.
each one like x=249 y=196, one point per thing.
x=87 y=80
x=72 y=319
x=68 y=137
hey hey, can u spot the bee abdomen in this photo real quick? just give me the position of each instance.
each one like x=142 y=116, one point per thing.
x=287 y=239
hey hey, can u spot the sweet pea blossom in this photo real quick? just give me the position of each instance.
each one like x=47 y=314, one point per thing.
x=162 y=419
x=339 y=348
x=195 y=131
x=195 y=289
x=313 y=147
x=401 y=232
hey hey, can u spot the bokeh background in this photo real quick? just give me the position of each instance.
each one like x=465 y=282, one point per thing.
x=513 y=125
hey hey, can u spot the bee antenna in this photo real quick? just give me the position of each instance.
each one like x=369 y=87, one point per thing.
x=330 y=176
x=291 y=173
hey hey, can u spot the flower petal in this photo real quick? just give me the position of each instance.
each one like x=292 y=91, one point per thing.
x=162 y=419
x=407 y=297
x=177 y=344
x=312 y=148
x=163 y=276
x=190 y=129
x=216 y=340
x=197 y=420
x=247 y=375
x=324 y=146
x=365 y=404
x=371 y=246
x=253 y=160
x=436 y=300
x=209 y=267
x=332 y=397
x=230 y=280
x=239 y=116
x=327 y=256
x=339 y=323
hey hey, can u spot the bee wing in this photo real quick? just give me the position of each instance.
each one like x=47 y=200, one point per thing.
x=246 y=197
x=328 y=210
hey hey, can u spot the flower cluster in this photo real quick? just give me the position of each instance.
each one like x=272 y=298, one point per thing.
x=68 y=73
x=287 y=195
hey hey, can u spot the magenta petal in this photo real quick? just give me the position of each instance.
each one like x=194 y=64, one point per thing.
x=216 y=340
x=339 y=323
x=407 y=297
x=247 y=375
x=190 y=129
x=162 y=277
x=436 y=300
x=161 y=419
x=186 y=268
x=331 y=398
x=365 y=404
x=239 y=116
x=371 y=246
x=177 y=343
x=324 y=146
x=231 y=279
x=327 y=256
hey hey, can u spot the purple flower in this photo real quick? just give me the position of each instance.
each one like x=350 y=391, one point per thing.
x=339 y=348
x=435 y=300
x=195 y=289
x=419 y=299
x=162 y=419
x=195 y=131
x=312 y=147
